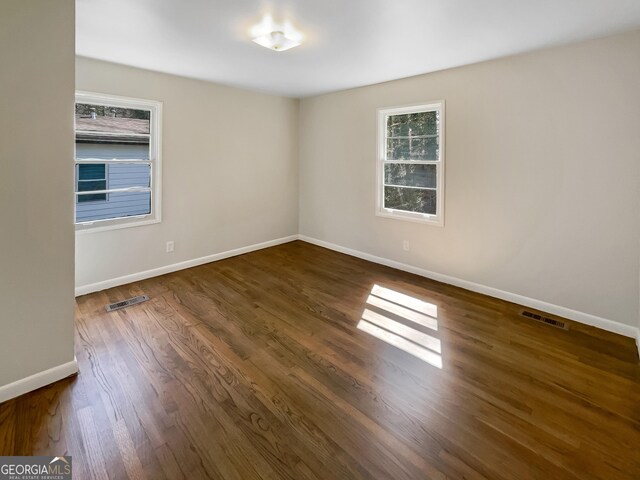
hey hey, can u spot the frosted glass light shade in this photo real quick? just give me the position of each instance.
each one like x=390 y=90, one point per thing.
x=277 y=41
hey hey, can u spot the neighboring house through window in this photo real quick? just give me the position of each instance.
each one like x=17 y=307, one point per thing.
x=411 y=163
x=117 y=161
x=91 y=178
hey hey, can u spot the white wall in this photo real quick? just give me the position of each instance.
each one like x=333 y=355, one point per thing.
x=36 y=183
x=543 y=175
x=229 y=172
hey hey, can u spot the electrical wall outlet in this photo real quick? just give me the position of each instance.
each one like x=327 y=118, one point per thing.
x=171 y=246
x=405 y=245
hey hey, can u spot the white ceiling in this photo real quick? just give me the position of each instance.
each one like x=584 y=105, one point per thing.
x=348 y=43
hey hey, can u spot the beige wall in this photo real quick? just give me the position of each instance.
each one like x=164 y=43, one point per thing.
x=229 y=172
x=543 y=175
x=36 y=184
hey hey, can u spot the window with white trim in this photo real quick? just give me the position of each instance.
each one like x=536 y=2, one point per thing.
x=411 y=163
x=117 y=160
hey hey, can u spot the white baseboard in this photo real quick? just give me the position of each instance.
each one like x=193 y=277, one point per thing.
x=38 y=380
x=135 y=277
x=581 y=317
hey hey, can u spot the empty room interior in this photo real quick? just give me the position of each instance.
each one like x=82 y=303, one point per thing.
x=320 y=239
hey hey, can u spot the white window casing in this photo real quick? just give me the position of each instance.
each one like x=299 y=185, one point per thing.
x=436 y=217
x=154 y=163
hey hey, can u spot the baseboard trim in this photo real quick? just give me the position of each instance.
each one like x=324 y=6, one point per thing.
x=135 y=277
x=581 y=317
x=38 y=380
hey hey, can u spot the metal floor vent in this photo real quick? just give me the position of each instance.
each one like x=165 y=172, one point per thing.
x=547 y=320
x=126 y=303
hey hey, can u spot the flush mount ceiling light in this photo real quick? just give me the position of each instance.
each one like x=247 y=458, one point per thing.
x=277 y=41
x=278 y=37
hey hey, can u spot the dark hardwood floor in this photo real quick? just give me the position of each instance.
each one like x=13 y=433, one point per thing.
x=297 y=362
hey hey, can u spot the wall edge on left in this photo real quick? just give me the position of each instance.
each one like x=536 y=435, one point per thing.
x=38 y=380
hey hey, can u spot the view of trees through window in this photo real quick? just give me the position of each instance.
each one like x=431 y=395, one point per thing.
x=410 y=166
x=107 y=111
x=105 y=118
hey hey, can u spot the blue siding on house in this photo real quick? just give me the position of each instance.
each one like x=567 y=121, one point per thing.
x=121 y=204
x=123 y=176
x=108 y=151
x=116 y=205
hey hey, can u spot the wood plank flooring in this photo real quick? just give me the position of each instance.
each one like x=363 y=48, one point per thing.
x=296 y=362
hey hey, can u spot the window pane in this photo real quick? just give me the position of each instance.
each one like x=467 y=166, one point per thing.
x=91 y=172
x=129 y=175
x=410 y=199
x=412 y=124
x=90 y=186
x=98 y=197
x=413 y=149
x=105 y=119
x=97 y=149
x=117 y=205
x=410 y=175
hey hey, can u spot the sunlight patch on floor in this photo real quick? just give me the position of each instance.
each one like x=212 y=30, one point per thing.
x=405 y=300
x=415 y=317
x=398 y=334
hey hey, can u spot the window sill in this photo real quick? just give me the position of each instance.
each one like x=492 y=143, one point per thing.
x=115 y=224
x=434 y=220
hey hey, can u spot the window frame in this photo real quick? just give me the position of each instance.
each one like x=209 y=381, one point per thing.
x=155 y=162
x=381 y=210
